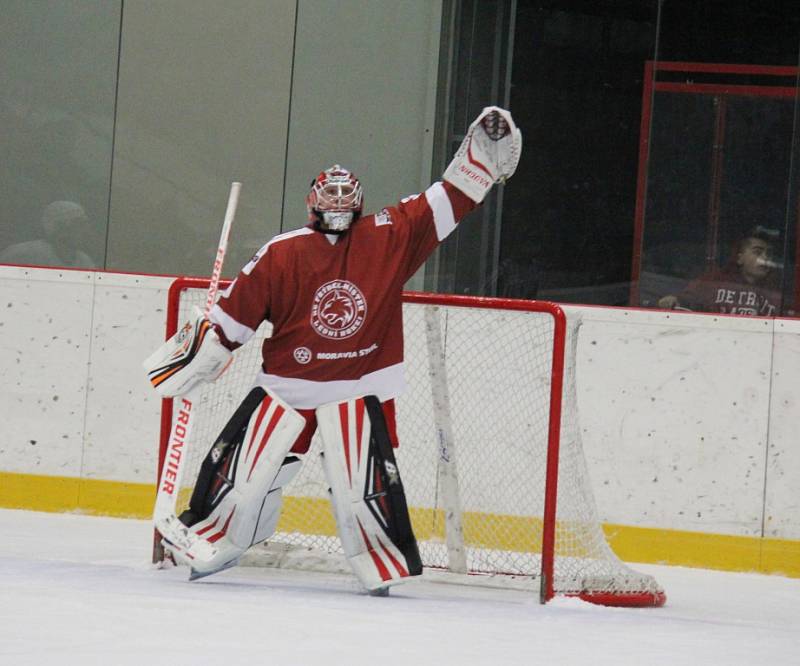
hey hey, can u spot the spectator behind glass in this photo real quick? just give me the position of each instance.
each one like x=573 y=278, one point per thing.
x=65 y=227
x=745 y=286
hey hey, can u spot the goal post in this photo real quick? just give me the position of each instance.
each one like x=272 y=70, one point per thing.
x=448 y=445
x=490 y=451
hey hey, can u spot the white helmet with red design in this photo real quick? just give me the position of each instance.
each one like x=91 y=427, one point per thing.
x=335 y=200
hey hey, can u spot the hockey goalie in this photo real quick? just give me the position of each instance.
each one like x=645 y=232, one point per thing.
x=334 y=363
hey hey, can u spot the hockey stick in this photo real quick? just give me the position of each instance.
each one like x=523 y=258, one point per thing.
x=216 y=273
x=172 y=471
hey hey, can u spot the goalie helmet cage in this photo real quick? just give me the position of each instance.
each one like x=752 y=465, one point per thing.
x=490 y=450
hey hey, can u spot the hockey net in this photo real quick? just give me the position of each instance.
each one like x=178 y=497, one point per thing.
x=497 y=491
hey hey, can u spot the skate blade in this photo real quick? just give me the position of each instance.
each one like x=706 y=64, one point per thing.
x=197 y=575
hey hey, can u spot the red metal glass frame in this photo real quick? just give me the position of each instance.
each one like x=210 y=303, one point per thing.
x=723 y=90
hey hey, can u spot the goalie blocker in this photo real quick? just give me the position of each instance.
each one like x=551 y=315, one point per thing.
x=192 y=356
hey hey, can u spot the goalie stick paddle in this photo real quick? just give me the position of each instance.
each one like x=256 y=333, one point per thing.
x=183 y=417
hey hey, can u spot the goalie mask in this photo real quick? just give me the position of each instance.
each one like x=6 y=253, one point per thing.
x=335 y=200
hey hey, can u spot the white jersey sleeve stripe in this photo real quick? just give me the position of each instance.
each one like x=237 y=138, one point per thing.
x=234 y=331
x=443 y=217
x=250 y=265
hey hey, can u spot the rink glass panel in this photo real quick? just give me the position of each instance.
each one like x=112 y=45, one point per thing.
x=716 y=162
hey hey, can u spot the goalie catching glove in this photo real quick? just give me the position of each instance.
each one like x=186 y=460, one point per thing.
x=191 y=356
x=488 y=154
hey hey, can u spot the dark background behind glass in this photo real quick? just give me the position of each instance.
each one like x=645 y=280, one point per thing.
x=568 y=215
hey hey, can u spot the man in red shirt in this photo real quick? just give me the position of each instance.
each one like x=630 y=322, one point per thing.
x=743 y=287
x=332 y=291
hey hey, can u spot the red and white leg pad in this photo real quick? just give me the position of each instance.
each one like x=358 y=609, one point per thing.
x=246 y=497
x=367 y=493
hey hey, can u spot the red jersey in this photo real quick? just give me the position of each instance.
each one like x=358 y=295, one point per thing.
x=726 y=293
x=335 y=301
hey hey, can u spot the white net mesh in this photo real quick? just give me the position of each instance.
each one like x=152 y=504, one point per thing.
x=473 y=430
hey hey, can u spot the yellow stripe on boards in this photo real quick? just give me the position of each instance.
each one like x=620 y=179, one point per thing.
x=307 y=515
x=314 y=516
x=704 y=550
x=65 y=493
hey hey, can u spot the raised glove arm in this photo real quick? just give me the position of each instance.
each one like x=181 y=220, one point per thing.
x=488 y=154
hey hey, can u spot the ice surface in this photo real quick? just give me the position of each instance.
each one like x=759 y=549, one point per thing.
x=80 y=590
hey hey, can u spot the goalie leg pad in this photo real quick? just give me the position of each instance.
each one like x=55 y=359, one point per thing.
x=367 y=493
x=488 y=154
x=236 y=502
x=191 y=356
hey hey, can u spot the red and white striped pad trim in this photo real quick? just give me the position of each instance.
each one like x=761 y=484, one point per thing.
x=346 y=429
x=260 y=430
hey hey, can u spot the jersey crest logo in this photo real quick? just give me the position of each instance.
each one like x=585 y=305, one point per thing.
x=339 y=310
